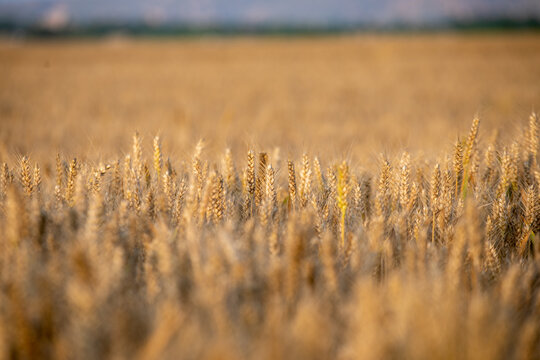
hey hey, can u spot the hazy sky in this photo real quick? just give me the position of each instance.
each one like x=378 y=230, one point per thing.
x=259 y=11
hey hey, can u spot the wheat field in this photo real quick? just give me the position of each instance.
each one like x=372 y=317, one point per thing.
x=356 y=197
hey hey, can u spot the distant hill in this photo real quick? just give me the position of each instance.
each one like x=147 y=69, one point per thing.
x=255 y=14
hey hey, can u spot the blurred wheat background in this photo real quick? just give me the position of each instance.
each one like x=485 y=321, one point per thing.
x=352 y=197
x=365 y=93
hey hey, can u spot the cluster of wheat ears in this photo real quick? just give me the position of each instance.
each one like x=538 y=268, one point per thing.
x=139 y=259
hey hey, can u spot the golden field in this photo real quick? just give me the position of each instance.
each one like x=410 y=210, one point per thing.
x=355 y=197
x=357 y=95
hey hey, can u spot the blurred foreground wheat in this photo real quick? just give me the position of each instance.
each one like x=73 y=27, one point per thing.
x=151 y=257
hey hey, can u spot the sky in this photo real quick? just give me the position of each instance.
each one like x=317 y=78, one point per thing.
x=320 y=12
